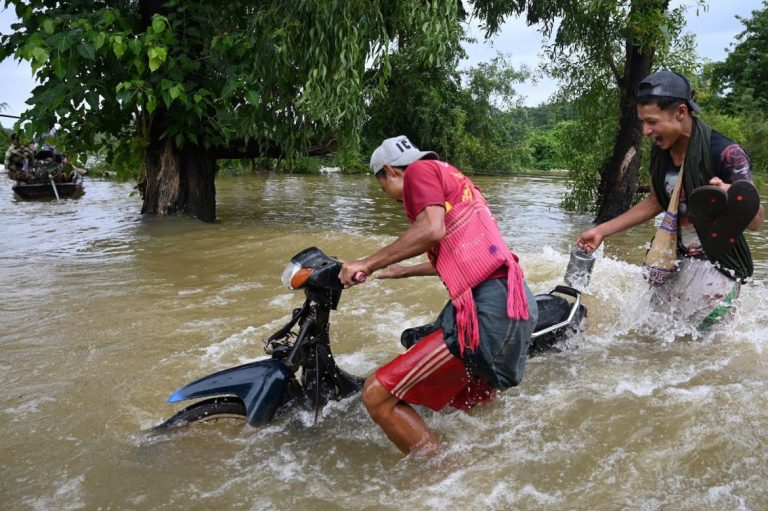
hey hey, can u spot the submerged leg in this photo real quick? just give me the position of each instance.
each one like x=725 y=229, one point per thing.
x=400 y=422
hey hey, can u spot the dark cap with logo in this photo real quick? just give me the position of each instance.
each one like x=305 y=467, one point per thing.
x=670 y=84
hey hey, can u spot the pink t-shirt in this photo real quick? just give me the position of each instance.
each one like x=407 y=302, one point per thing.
x=433 y=183
x=436 y=183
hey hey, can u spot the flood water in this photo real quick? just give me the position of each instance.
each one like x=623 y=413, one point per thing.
x=105 y=313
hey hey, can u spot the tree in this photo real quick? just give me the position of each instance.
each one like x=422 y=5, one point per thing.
x=741 y=78
x=420 y=99
x=177 y=85
x=736 y=102
x=600 y=53
x=460 y=115
x=489 y=94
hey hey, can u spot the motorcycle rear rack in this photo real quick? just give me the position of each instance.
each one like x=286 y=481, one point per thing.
x=574 y=307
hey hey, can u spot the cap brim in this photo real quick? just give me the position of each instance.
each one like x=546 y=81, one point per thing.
x=408 y=158
x=694 y=106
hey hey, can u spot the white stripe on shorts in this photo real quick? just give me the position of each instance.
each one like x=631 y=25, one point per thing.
x=426 y=366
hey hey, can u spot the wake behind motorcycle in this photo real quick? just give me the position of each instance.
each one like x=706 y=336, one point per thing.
x=301 y=367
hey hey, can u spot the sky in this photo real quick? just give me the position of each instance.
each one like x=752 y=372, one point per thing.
x=715 y=29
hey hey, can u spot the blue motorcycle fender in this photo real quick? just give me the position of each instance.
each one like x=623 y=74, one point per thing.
x=260 y=385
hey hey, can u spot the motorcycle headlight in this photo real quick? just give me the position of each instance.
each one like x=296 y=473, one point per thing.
x=288 y=273
x=294 y=276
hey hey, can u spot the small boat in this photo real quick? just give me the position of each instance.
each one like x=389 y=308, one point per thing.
x=42 y=190
x=49 y=163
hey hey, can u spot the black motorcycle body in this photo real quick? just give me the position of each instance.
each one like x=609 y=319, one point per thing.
x=559 y=319
x=301 y=366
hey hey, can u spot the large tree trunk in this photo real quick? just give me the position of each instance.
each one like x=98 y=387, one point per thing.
x=619 y=178
x=200 y=165
x=175 y=180
x=179 y=181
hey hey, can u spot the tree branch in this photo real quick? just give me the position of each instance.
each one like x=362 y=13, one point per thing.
x=615 y=70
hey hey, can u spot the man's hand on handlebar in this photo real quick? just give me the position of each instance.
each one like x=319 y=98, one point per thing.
x=353 y=272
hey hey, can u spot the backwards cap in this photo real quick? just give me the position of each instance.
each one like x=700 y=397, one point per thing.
x=670 y=84
x=397 y=152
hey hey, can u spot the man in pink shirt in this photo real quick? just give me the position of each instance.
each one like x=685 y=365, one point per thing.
x=479 y=343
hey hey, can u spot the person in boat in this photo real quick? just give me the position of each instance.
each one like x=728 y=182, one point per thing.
x=52 y=164
x=702 y=289
x=15 y=156
x=479 y=342
x=29 y=161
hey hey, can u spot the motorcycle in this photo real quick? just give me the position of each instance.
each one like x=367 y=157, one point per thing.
x=301 y=368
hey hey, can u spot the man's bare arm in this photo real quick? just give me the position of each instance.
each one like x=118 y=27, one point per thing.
x=399 y=271
x=426 y=230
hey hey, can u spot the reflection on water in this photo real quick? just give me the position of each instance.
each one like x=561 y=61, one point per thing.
x=106 y=313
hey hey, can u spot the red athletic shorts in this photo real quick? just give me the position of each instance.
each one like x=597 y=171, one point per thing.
x=429 y=374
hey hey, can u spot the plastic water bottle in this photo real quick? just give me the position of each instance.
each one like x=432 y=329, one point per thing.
x=579 y=268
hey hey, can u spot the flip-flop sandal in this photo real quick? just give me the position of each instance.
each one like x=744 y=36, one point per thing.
x=721 y=216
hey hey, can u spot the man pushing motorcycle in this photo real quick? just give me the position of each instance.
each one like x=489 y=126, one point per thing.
x=479 y=342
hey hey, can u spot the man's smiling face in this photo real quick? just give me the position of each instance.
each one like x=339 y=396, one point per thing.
x=663 y=126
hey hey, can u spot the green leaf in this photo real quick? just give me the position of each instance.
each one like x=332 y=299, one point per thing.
x=151 y=103
x=86 y=51
x=175 y=91
x=48 y=26
x=99 y=39
x=119 y=49
x=253 y=97
x=60 y=42
x=40 y=56
x=158 y=25
x=157 y=56
x=108 y=17
x=59 y=68
x=135 y=46
x=229 y=88
x=123 y=97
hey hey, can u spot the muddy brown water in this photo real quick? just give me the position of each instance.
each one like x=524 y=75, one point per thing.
x=105 y=313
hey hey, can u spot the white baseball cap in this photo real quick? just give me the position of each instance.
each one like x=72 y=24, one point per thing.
x=397 y=152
